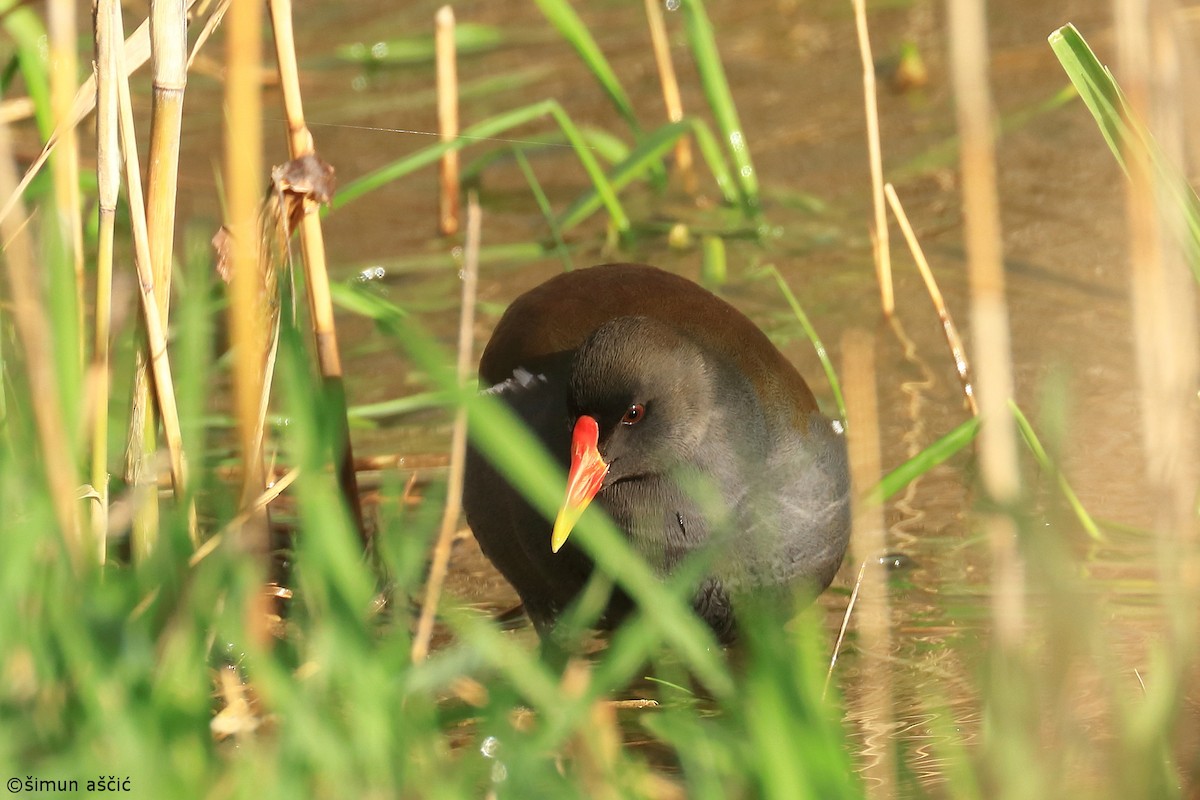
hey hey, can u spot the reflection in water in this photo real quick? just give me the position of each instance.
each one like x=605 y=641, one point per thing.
x=872 y=713
x=904 y=531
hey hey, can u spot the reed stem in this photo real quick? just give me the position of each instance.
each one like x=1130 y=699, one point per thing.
x=879 y=241
x=168 y=56
x=684 y=163
x=447 y=109
x=244 y=179
x=957 y=351
x=1164 y=303
x=160 y=366
x=108 y=179
x=458 y=440
x=989 y=311
x=312 y=247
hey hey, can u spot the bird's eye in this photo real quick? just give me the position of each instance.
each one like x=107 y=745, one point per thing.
x=633 y=414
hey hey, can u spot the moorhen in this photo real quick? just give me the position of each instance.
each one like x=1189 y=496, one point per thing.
x=676 y=414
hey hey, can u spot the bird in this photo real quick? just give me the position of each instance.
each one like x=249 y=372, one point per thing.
x=676 y=414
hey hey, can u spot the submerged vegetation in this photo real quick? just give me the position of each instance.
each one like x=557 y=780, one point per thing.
x=210 y=622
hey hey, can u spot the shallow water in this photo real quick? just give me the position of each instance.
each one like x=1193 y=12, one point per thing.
x=795 y=73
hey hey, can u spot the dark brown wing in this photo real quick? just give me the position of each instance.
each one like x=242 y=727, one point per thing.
x=558 y=315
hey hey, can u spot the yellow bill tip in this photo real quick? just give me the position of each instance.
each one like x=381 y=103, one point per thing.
x=564 y=523
x=559 y=537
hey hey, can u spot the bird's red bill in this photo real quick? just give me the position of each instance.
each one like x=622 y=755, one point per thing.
x=583 y=481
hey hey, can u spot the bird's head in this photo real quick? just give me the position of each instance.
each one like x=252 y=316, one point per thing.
x=640 y=400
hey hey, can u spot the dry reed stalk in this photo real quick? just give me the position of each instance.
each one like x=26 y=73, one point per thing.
x=879 y=241
x=243 y=182
x=16 y=110
x=277 y=220
x=989 y=311
x=447 y=111
x=1164 y=298
x=168 y=58
x=256 y=507
x=31 y=318
x=136 y=53
x=841 y=637
x=155 y=331
x=633 y=704
x=108 y=179
x=211 y=22
x=68 y=201
x=458 y=440
x=312 y=244
x=670 y=91
x=868 y=544
x=957 y=351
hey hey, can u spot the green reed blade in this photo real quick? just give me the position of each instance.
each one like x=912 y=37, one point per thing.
x=642 y=159
x=489 y=129
x=1095 y=85
x=563 y=17
x=795 y=740
x=607 y=148
x=639 y=160
x=925 y=460
x=1122 y=132
x=835 y=386
x=568 y=24
x=335 y=553
x=1045 y=462
x=543 y=203
x=400 y=405
x=720 y=99
x=26 y=29
x=521 y=666
x=714 y=158
x=714 y=269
